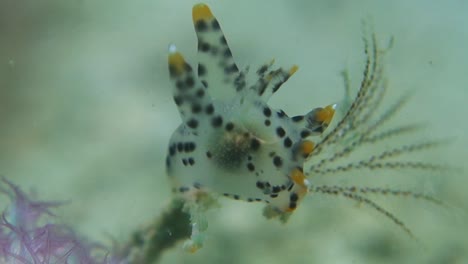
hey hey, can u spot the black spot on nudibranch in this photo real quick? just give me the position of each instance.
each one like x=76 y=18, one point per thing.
x=201 y=70
x=261 y=71
x=189 y=82
x=255 y=144
x=267 y=122
x=183 y=189
x=276 y=87
x=172 y=150
x=293 y=197
x=250 y=167
x=215 y=25
x=201 y=25
x=178 y=100
x=229 y=126
x=297 y=118
x=227 y=53
x=180 y=146
x=222 y=40
x=239 y=82
x=281 y=114
x=196 y=108
x=192 y=123
x=186 y=147
x=217 y=121
x=277 y=161
x=267 y=111
x=276 y=189
x=287 y=142
x=200 y=93
x=189 y=146
x=231 y=69
x=191 y=161
x=209 y=109
x=305 y=133
x=260 y=185
x=203 y=46
x=280 y=132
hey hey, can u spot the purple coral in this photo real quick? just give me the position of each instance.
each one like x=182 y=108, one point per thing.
x=23 y=239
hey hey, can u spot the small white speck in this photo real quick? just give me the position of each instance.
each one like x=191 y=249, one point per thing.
x=172 y=48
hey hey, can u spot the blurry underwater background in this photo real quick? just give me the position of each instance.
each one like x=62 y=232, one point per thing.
x=86 y=112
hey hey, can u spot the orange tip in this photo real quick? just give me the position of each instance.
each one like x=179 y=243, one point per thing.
x=201 y=12
x=298 y=177
x=326 y=114
x=293 y=70
x=176 y=62
x=307 y=147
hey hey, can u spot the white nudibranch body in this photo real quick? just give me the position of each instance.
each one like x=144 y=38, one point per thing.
x=231 y=143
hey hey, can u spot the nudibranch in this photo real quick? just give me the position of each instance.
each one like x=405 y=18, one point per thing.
x=231 y=142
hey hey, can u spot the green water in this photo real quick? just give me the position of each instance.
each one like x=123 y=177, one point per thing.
x=86 y=112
